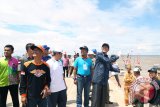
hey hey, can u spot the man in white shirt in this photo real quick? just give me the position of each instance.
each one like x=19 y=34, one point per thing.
x=58 y=85
x=139 y=79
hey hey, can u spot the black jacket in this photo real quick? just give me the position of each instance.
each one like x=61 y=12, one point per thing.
x=34 y=78
x=156 y=99
x=102 y=68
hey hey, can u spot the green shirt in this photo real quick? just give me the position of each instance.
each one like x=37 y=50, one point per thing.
x=8 y=72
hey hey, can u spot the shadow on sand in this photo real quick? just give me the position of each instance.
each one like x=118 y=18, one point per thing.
x=71 y=102
x=9 y=105
x=112 y=105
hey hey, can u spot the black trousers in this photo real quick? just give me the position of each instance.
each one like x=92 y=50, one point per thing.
x=57 y=98
x=98 y=95
x=36 y=102
x=107 y=93
x=65 y=69
x=14 y=94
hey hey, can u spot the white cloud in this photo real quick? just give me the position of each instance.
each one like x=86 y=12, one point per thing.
x=144 y=47
x=86 y=23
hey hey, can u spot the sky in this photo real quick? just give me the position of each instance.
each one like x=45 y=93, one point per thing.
x=128 y=26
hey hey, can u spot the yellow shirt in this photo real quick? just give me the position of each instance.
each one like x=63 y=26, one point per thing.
x=128 y=78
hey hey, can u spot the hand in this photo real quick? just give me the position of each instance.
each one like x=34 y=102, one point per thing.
x=119 y=85
x=24 y=100
x=75 y=82
x=44 y=93
x=48 y=92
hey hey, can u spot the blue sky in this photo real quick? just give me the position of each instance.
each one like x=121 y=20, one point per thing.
x=127 y=25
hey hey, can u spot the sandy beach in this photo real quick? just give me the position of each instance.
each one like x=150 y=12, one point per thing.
x=116 y=94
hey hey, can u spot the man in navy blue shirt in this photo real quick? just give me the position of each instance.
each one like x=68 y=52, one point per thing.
x=100 y=77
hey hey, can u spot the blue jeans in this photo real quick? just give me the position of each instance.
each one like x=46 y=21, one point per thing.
x=83 y=83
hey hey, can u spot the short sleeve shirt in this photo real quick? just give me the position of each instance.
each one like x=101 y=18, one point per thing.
x=65 y=62
x=56 y=72
x=83 y=66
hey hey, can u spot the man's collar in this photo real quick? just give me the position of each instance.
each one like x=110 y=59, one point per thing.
x=84 y=57
x=55 y=60
x=7 y=58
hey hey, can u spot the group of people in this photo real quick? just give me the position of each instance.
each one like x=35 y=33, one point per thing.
x=41 y=78
x=37 y=80
x=139 y=90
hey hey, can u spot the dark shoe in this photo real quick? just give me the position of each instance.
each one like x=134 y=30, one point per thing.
x=109 y=102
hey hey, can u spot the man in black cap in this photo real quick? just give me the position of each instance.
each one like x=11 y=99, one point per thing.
x=82 y=76
x=155 y=101
x=153 y=73
x=100 y=77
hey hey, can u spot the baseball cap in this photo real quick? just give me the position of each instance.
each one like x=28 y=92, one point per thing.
x=57 y=51
x=105 y=44
x=38 y=46
x=94 y=51
x=136 y=69
x=153 y=70
x=46 y=47
x=90 y=53
x=84 y=47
